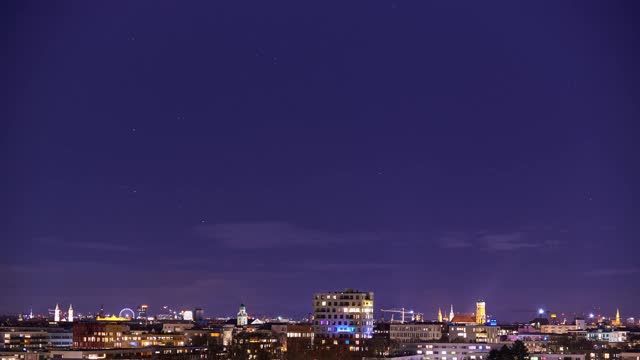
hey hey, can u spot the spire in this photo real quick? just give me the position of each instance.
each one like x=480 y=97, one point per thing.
x=451 y=314
x=56 y=313
x=618 y=322
x=439 y=315
x=70 y=313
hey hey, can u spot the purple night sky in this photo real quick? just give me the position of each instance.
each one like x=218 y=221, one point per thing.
x=212 y=153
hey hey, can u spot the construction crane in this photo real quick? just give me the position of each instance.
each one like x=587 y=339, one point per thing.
x=403 y=312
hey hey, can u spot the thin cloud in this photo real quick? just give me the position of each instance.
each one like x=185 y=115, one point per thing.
x=265 y=235
x=455 y=241
x=507 y=242
x=88 y=245
x=510 y=241
x=613 y=272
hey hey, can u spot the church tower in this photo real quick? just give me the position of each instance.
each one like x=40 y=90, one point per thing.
x=481 y=313
x=70 y=313
x=618 y=321
x=56 y=313
x=451 y=314
x=242 y=316
x=439 y=315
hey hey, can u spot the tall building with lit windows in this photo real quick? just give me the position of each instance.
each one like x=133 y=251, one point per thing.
x=142 y=312
x=343 y=318
x=481 y=313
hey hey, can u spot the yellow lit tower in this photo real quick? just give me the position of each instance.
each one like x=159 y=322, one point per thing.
x=618 y=321
x=481 y=314
x=439 y=315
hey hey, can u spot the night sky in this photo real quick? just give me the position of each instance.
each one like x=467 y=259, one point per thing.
x=213 y=153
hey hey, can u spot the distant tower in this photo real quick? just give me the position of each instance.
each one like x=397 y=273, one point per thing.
x=618 y=321
x=70 y=313
x=142 y=311
x=101 y=314
x=242 y=316
x=451 y=314
x=439 y=315
x=481 y=314
x=31 y=313
x=198 y=314
x=56 y=313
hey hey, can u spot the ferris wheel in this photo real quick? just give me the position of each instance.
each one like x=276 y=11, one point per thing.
x=127 y=313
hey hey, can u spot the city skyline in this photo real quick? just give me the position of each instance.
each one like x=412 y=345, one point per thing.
x=428 y=315
x=214 y=154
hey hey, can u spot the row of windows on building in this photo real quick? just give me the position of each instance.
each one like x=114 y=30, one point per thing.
x=449 y=346
x=336 y=303
x=322 y=316
x=344 y=310
x=341 y=297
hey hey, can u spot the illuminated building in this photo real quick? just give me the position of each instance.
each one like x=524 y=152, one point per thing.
x=451 y=314
x=439 y=315
x=452 y=351
x=134 y=339
x=557 y=357
x=33 y=339
x=242 y=316
x=417 y=332
x=21 y=339
x=56 y=313
x=617 y=322
x=343 y=318
x=299 y=338
x=472 y=332
x=112 y=318
x=176 y=326
x=155 y=352
x=259 y=344
x=608 y=336
x=463 y=319
x=579 y=324
x=142 y=312
x=481 y=315
x=187 y=315
x=60 y=338
x=70 y=313
x=97 y=335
